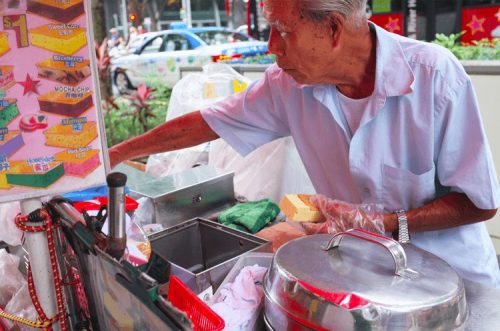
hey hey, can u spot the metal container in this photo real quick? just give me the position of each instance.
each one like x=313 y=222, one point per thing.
x=361 y=281
x=200 y=252
x=196 y=192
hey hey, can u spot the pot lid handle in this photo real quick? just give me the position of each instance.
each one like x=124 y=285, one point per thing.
x=391 y=245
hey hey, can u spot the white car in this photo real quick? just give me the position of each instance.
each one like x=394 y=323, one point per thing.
x=163 y=52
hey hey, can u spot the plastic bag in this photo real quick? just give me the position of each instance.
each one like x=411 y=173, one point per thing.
x=194 y=92
x=271 y=171
x=145 y=213
x=22 y=306
x=341 y=216
x=12 y=278
x=10 y=233
x=138 y=245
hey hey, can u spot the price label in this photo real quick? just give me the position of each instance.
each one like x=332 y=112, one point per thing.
x=77 y=127
x=40 y=167
x=18 y=24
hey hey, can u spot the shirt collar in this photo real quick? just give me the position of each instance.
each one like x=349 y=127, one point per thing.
x=393 y=75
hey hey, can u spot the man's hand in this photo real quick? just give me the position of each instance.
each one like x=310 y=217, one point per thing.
x=451 y=210
x=341 y=216
x=181 y=132
x=114 y=156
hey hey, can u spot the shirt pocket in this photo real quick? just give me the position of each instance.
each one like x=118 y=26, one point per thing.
x=403 y=189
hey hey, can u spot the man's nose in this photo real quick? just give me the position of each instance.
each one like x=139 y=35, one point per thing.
x=275 y=43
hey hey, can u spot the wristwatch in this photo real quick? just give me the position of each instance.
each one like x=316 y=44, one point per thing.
x=403 y=234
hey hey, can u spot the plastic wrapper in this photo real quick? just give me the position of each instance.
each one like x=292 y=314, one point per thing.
x=22 y=306
x=341 y=216
x=10 y=233
x=268 y=172
x=138 y=246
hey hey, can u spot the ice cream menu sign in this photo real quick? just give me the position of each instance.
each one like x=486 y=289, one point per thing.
x=50 y=127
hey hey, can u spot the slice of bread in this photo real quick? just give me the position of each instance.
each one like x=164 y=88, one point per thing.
x=297 y=208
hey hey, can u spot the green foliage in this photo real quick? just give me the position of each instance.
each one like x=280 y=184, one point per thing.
x=137 y=113
x=260 y=59
x=483 y=49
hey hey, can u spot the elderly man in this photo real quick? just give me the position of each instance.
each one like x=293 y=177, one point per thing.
x=376 y=118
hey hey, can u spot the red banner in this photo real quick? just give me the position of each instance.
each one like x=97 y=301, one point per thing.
x=392 y=22
x=479 y=23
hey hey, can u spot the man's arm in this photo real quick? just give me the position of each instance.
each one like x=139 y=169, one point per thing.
x=181 y=132
x=451 y=210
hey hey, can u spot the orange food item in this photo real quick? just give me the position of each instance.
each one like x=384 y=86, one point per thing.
x=297 y=208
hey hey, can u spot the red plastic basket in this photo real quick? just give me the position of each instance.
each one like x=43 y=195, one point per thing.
x=201 y=315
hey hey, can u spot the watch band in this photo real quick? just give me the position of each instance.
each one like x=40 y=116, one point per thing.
x=403 y=233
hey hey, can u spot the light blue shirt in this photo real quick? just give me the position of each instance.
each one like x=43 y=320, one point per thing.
x=420 y=137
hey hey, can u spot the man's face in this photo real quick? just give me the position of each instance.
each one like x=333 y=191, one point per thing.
x=303 y=48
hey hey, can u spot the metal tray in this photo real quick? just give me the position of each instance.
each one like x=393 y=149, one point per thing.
x=200 y=252
x=196 y=192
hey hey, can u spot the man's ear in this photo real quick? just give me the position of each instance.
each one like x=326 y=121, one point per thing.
x=336 y=27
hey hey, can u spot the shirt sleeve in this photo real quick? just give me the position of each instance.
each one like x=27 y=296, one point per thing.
x=464 y=159
x=249 y=119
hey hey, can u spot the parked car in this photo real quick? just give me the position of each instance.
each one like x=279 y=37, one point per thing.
x=163 y=52
x=132 y=47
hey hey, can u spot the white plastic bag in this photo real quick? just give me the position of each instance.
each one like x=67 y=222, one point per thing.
x=10 y=233
x=11 y=277
x=22 y=306
x=194 y=92
x=271 y=171
x=145 y=212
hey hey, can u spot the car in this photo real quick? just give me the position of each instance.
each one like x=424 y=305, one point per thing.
x=131 y=47
x=162 y=53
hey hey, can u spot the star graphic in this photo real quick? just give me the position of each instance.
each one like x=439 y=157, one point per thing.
x=476 y=24
x=498 y=15
x=393 y=25
x=30 y=85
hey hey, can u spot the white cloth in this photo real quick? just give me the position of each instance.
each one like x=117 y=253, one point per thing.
x=353 y=110
x=420 y=138
x=238 y=302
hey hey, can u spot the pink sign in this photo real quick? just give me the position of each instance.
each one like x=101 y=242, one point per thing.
x=480 y=23
x=51 y=138
x=392 y=22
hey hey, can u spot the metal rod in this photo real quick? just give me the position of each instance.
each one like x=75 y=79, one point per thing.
x=37 y=247
x=116 y=214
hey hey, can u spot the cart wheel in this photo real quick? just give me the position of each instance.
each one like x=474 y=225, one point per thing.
x=122 y=82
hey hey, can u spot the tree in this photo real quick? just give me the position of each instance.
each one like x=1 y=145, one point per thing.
x=136 y=7
x=151 y=8
x=156 y=9
x=98 y=16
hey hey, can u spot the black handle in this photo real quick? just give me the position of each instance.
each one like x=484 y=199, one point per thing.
x=116 y=179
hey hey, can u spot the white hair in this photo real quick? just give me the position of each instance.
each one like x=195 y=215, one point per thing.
x=318 y=10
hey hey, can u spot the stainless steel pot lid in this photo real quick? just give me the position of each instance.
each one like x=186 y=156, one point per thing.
x=357 y=270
